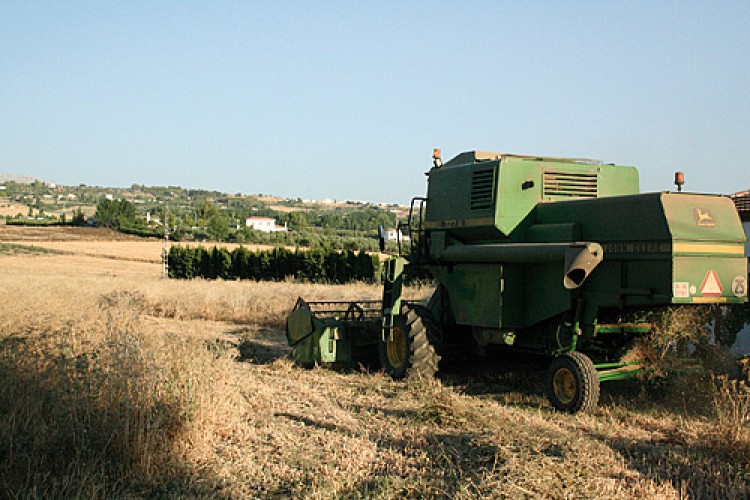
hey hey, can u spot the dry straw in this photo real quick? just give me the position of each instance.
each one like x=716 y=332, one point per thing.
x=120 y=386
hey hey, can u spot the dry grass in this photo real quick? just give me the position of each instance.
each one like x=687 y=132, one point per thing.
x=255 y=303
x=91 y=398
x=731 y=400
x=122 y=384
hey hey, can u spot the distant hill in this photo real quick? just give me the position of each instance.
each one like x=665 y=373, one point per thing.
x=20 y=179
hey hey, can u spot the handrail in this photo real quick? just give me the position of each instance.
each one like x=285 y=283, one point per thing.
x=415 y=236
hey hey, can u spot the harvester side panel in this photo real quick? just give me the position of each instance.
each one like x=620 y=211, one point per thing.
x=471 y=194
x=476 y=293
x=545 y=297
x=618 y=181
x=521 y=183
x=635 y=218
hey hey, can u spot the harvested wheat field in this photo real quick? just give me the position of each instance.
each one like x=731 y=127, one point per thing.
x=96 y=242
x=117 y=383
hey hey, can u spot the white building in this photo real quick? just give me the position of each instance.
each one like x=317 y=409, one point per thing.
x=392 y=235
x=265 y=224
x=153 y=218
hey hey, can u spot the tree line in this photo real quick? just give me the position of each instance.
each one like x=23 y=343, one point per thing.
x=278 y=264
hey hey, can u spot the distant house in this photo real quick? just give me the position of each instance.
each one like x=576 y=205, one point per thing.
x=264 y=224
x=392 y=235
x=153 y=218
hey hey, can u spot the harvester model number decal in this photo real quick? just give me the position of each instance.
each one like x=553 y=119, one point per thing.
x=636 y=247
x=456 y=223
x=739 y=286
x=665 y=247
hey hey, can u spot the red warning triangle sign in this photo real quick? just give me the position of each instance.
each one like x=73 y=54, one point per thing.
x=711 y=286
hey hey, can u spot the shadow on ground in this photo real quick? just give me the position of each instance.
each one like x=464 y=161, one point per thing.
x=694 y=471
x=452 y=460
x=260 y=345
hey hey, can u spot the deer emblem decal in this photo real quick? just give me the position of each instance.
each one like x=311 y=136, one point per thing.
x=704 y=217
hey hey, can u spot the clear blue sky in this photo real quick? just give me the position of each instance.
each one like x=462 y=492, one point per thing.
x=347 y=99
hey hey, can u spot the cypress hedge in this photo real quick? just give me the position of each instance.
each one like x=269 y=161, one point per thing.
x=278 y=264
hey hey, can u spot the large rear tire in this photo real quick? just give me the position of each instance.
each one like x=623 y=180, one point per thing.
x=572 y=383
x=409 y=351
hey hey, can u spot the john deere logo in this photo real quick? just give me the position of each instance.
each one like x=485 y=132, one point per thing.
x=704 y=217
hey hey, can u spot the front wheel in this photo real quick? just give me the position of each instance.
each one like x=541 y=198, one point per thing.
x=572 y=383
x=407 y=350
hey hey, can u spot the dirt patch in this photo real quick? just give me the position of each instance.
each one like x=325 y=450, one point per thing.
x=13 y=208
x=56 y=263
x=261 y=345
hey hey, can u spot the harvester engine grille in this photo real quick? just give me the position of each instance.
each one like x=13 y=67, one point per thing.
x=571 y=185
x=482 y=189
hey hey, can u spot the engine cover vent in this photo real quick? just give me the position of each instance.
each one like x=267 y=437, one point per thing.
x=482 y=189
x=571 y=184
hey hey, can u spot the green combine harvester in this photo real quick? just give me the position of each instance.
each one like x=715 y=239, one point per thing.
x=539 y=256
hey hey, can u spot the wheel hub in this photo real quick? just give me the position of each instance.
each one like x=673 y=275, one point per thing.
x=396 y=347
x=565 y=385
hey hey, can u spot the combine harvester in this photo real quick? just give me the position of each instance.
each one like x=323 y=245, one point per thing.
x=540 y=256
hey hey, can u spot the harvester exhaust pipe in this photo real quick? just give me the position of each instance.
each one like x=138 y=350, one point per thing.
x=580 y=258
x=579 y=262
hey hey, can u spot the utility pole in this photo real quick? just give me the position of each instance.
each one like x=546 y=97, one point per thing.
x=165 y=248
